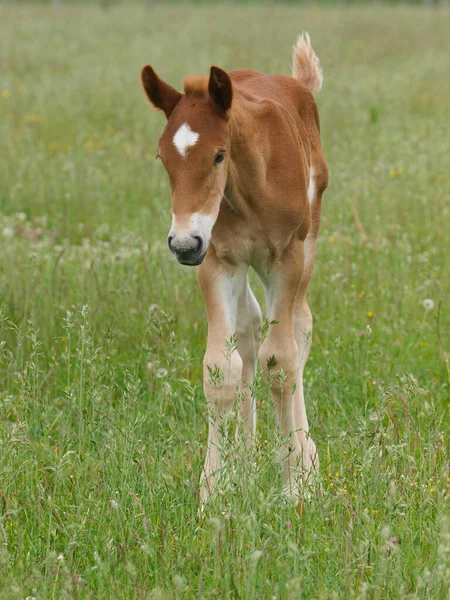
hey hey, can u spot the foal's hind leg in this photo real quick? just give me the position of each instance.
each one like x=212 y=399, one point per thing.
x=303 y=322
x=248 y=331
x=303 y=335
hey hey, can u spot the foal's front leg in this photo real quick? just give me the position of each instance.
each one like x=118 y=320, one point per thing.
x=280 y=360
x=222 y=365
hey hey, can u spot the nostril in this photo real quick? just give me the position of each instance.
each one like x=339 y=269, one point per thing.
x=199 y=243
x=169 y=241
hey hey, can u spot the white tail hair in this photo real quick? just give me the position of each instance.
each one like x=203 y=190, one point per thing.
x=306 y=65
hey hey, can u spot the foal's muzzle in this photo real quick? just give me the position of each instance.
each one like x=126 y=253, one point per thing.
x=188 y=250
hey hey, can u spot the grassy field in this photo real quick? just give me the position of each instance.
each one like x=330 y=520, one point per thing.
x=102 y=416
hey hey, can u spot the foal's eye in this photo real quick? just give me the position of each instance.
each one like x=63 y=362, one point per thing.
x=219 y=158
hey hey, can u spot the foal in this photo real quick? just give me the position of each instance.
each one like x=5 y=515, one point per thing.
x=247 y=173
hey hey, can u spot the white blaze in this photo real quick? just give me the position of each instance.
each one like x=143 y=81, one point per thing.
x=184 y=139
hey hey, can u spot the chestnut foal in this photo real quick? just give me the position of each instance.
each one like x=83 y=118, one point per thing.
x=247 y=173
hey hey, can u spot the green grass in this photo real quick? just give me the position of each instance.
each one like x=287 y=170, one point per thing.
x=102 y=416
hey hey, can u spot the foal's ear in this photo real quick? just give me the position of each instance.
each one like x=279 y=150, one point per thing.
x=220 y=89
x=162 y=95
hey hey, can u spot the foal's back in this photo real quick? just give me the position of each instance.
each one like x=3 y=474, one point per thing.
x=286 y=91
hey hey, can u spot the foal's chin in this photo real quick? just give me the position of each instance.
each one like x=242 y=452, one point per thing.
x=192 y=263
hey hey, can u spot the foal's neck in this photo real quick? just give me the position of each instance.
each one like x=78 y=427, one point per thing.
x=247 y=165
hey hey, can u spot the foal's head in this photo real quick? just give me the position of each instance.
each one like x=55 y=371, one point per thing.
x=193 y=148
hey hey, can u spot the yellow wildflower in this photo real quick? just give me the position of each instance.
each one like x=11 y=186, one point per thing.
x=33 y=118
x=396 y=172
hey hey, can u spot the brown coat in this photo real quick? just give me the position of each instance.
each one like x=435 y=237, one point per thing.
x=247 y=173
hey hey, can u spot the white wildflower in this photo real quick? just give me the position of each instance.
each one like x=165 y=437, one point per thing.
x=374 y=417
x=160 y=373
x=113 y=504
x=60 y=558
x=428 y=304
x=8 y=232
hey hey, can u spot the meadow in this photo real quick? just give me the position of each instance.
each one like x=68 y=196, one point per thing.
x=102 y=415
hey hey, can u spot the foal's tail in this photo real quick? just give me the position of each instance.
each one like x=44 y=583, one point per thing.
x=306 y=65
